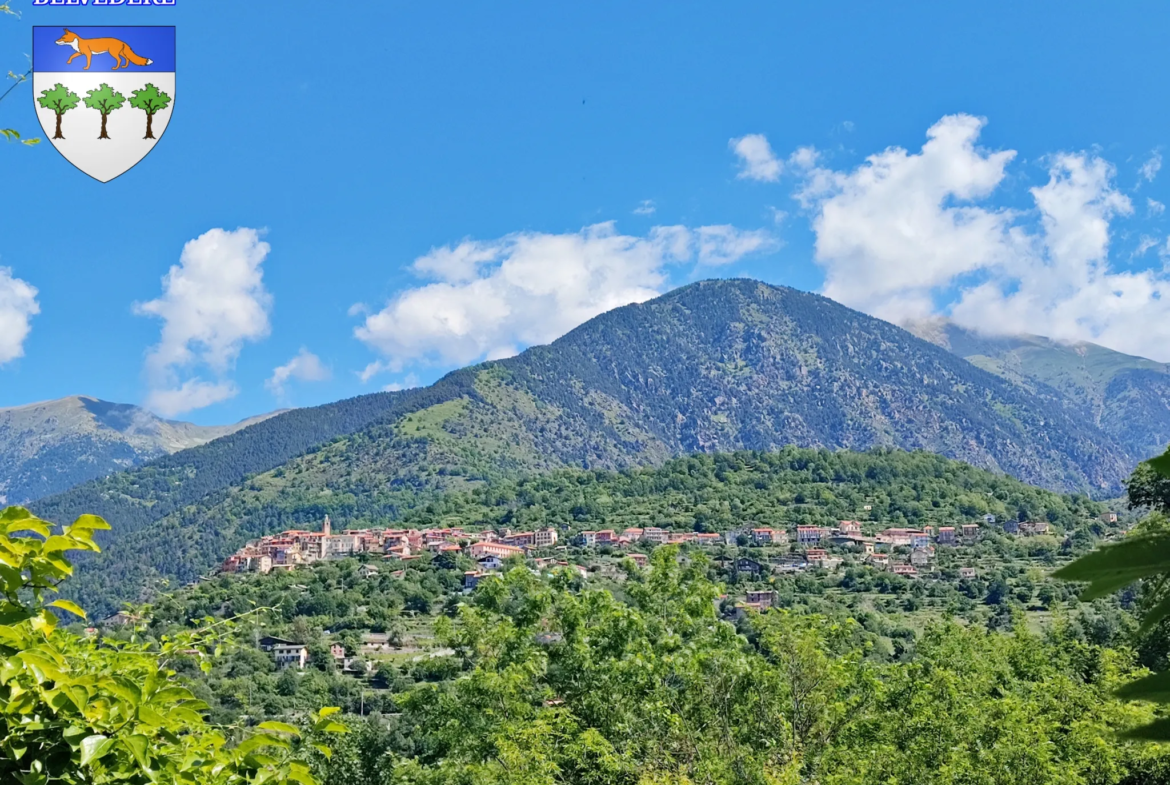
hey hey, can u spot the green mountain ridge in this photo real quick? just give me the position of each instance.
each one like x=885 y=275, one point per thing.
x=716 y=366
x=1127 y=397
x=50 y=446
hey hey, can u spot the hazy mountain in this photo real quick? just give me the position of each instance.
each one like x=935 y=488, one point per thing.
x=48 y=447
x=715 y=366
x=1127 y=397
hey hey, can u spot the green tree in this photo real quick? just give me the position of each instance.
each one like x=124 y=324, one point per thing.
x=150 y=100
x=88 y=711
x=1144 y=556
x=106 y=100
x=11 y=134
x=60 y=99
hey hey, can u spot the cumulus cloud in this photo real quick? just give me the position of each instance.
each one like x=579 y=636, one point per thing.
x=903 y=223
x=489 y=299
x=906 y=235
x=304 y=367
x=1154 y=207
x=213 y=301
x=645 y=207
x=18 y=305
x=756 y=159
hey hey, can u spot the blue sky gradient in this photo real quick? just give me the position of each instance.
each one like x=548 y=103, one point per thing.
x=361 y=135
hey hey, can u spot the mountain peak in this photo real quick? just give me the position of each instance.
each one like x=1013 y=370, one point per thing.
x=48 y=446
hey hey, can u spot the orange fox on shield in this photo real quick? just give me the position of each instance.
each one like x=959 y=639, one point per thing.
x=89 y=47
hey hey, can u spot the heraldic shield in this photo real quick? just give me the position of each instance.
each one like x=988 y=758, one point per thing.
x=104 y=95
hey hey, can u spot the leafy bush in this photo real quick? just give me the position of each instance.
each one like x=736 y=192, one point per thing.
x=83 y=709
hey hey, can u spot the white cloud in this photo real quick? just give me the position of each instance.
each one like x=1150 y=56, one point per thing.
x=901 y=223
x=1149 y=169
x=408 y=383
x=305 y=367
x=190 y=395
x=646 y=207
x=1154 y=207
x=905 y=235
x=757 y=161
x=374 y=368
x=213 y=301
x=720 y=245
x=18 y=305
x=1145 y=243
x=488 y=299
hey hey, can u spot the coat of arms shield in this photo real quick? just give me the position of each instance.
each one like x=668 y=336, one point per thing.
x=104 y=95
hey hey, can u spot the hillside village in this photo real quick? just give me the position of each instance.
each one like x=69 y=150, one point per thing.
x=759 y=551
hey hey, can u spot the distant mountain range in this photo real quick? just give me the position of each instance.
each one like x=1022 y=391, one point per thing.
x=48 y=447
x=714 y=366
x=1127 y=397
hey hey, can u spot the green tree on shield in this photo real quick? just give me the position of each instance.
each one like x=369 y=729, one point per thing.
x=60 y=99
x=106 y=100
x=150 y=100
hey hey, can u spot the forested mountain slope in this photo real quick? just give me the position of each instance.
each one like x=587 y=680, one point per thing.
x=1125 y=396
x=51 y=446
x=715 y=366
x=135 y=498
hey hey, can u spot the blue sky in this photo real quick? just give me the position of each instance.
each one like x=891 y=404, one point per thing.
x=358 y=137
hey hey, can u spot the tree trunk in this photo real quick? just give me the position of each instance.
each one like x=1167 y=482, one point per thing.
x=104 y=134
x=149 y=131
x=59 y=135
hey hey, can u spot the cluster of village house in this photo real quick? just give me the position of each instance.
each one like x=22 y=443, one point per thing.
x=806 y=546
x=290 y=549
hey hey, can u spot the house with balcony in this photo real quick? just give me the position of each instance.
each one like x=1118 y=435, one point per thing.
x=807 y=536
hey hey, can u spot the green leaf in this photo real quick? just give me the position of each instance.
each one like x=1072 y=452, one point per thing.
x=1161 y=464
x=29 y=524
x=279 y=727
x=138 y=746
x=258 y=741
x=93 y=748
x=66 y=605
x=1159 y=730
x=1113 y=567
x=299 y=772
x=150 y=717
x=14 y=513
x=171 y=695
x=125 y=689
x=1154 y=688
x=92 y=522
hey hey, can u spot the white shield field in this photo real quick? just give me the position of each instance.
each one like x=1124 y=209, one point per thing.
x=81 y=139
